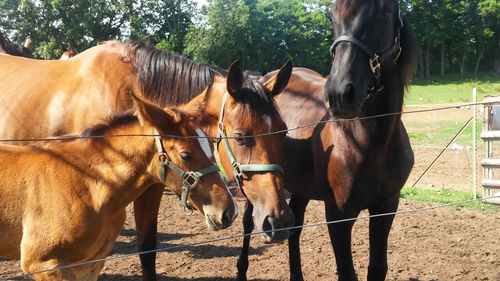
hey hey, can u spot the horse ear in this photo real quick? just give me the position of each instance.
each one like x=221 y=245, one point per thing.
x=278 y=82
x=4 y=44
x=234 y=80
x=155 y=116
x=27 y=43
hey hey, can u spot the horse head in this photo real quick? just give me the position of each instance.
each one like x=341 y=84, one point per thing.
x=367 y=47
x=250 y=152
x=187 y=165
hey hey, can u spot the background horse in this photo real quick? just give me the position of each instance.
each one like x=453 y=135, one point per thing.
x=69 y=204
x=350 y=164
x=70 y=95
x=7 y=47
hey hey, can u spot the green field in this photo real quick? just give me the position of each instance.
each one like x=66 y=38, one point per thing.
x=451 y=89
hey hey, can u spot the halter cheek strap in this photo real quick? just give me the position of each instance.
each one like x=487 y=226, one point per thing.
x=190 y=179
x=240 y=169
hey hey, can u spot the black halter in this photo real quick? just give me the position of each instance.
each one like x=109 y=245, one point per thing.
x=375 y=60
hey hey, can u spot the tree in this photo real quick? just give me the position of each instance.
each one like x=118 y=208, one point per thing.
x=53 y=24
x=166 y=22
x=263 y=34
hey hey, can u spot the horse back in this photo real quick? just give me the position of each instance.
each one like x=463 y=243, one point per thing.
x=53 y=97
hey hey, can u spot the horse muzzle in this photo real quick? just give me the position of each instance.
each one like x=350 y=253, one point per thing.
x=273 y=226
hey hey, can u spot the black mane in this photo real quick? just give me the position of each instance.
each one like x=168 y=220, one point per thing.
x=167 y=78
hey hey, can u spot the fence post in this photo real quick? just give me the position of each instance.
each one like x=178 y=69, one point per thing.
x=474 y=144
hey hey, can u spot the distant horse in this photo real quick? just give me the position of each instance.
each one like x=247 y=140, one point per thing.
x=70 y=95
x=69 y=53
x=7 y=47
x=352 y=160
x=68 y=203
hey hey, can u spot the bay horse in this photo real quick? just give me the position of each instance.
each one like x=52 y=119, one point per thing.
x=70 y=95
x=68 y=204
x=353 y=159
x=9 y=48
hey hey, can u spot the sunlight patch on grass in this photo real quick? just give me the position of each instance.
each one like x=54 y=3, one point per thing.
x=445 y=196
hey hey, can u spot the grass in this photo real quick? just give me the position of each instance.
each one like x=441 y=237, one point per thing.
x=452 y=89
x=446 y=196
x=441 y=133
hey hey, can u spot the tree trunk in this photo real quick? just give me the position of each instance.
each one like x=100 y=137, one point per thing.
x=496 y=66
x=462 y=64
x=442 y=59
x=420 y=64
x=478 y=62
x=428 y=60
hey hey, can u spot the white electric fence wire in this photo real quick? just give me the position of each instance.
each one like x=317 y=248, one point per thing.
x=73 y=137
x=250 y=234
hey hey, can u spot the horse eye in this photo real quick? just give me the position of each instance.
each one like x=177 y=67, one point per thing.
x=185 y=156
x=240 y=139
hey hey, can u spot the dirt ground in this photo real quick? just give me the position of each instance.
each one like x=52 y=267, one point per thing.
x=439 y=245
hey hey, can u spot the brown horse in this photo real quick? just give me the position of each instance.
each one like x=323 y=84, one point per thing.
x=350 y=163
x=9 y=48
x=70 y=95
x=68 y=204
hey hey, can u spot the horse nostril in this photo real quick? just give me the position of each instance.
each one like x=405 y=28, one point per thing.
x=349 y=94
x=226 y=219
x=267 y=226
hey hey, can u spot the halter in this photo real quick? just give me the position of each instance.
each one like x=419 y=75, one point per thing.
x=190 y=179
x=375 y=60
x=240 y=169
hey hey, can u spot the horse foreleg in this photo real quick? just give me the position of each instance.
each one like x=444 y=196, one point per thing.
x=248 y=226
x=379 y=233
x=340 y=237
x=298 y=206
x=146 y=209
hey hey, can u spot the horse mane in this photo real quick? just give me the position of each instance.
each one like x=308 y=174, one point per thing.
x=167 y=78
x=408 y=60
x=116 y=120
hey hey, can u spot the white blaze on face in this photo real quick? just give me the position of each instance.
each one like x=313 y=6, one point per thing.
x=205 y=145
x=268 y=121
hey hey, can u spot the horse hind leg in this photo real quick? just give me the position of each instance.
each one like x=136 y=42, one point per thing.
x=340 y=237
x=248 y=226
x=379 y=233
x=298 y=206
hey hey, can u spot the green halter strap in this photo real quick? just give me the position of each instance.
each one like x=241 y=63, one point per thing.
x=190 y=179
x=240 y=169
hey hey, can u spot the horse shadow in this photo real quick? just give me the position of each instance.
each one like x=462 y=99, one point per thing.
x=104 y=277
x=194 y=251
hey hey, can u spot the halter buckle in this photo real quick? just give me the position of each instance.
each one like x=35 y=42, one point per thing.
x=162 y=156
x=237 y=169
x=375 y=64
x=190 y=180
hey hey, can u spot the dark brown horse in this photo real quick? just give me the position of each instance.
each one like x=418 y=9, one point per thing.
x=9 y=48
x=353 y=160
x=69 y=95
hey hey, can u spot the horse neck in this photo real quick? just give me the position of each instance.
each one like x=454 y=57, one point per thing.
x=121 y=163
x=385 y=107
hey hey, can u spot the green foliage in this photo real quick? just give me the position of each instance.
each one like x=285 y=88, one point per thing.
x=263 y=34
x=456 y=36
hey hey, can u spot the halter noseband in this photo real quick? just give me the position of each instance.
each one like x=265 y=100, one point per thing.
x=190 y=179
x=375 y=60
x=240 y=169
